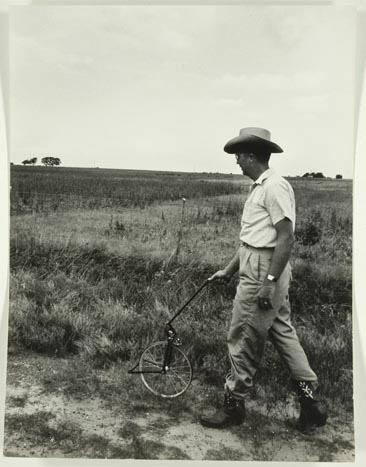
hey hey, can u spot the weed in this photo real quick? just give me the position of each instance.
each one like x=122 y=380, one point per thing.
x=309 y=234
x=223 y=454
x=18 y=401
x=15 y=422
x=36 y=428
x=42 y=429
x=75 y=377
x=160 y=425
x=146 y=449
x=129 y=430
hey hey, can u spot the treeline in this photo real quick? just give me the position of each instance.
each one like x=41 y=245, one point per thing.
x=319 y=175
x=48 y=161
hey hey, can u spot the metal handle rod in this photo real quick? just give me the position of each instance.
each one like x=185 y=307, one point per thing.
x=187 y=302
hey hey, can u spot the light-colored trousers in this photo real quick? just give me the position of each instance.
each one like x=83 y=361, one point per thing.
x=251 y=326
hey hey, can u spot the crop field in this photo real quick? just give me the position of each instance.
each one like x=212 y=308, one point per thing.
x=100 y=259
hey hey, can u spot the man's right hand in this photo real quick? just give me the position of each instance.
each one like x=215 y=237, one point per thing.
x=221 y=275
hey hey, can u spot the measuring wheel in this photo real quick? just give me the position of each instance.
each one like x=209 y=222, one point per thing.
x=168 y=382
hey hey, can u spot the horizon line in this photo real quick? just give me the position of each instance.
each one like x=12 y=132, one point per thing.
x=167 y=171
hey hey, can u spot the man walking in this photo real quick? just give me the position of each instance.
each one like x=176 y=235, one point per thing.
x=261 y=307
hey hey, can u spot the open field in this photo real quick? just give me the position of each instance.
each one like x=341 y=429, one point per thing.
x=96 y=271
x=44 y=189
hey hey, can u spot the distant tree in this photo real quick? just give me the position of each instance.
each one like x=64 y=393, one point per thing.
x=313 y=175
x=51 y=161
x=339 y=176
x=30 y=161
x=11 y=163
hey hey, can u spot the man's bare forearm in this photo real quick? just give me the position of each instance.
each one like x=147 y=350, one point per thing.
x=281 y=255
x=226 y=273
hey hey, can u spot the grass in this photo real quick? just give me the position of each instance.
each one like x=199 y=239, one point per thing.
x=18 y=400
x=45 y=189
x=94 y=286
x=41 y=429
x=223 y=454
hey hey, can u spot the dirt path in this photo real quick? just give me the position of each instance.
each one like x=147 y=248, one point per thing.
x=50 y=424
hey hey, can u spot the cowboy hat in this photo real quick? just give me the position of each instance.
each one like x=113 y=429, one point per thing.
x=251 y=139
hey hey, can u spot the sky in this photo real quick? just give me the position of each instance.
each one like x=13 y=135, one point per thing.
x=164 y=88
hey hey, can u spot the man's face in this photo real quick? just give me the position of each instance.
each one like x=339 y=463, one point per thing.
x=243 y=159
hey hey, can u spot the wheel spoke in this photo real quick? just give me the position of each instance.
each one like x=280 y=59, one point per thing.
x=180 y=378
x=172 y=382
x=178 y=367
x=187 y=373
x=152 y=363
x=153 y=357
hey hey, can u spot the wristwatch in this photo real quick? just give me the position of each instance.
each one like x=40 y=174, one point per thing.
x=271 y=278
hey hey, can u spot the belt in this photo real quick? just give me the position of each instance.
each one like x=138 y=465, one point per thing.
x=263 y=248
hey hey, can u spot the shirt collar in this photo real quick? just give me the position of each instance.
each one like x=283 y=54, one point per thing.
x=266 y=174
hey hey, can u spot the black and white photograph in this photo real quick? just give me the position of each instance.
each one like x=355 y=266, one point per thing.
x=181 y=183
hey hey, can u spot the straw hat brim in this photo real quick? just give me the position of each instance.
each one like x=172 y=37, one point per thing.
x=250 y=143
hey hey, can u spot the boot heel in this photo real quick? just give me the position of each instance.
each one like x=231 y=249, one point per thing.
x=313 y=412
x=231 y=414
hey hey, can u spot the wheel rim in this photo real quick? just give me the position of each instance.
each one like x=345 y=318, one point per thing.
x=175 y=381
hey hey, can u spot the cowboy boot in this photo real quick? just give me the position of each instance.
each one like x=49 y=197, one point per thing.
x=313 y=412
x=232 y=413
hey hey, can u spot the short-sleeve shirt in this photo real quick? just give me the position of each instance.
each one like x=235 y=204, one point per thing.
x=270 y=200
